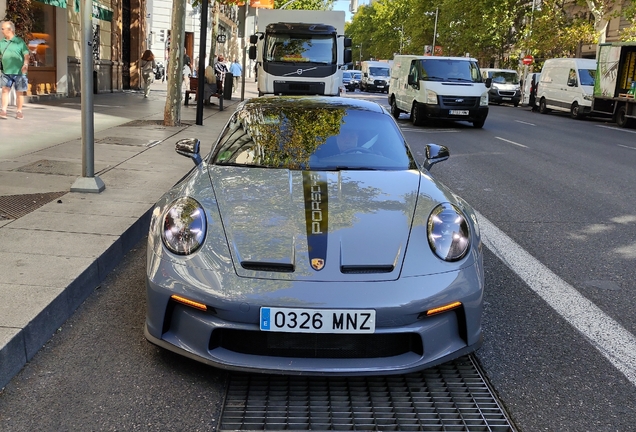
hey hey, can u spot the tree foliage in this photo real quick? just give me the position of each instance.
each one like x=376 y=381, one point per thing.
x=497 y=32
x=20 y=12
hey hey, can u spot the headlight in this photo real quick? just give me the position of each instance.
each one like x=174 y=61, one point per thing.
x=431 y=97
x=448 y=233
x=588 y=97
x=484 y=99
x=184 y=226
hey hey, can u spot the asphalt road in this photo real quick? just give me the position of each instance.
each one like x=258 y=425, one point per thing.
x=559 y=189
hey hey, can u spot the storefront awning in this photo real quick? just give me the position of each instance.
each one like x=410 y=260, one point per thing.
x=58 y=3
x=99 y=11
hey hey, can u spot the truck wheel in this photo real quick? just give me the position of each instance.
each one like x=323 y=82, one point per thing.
x=417 y=116
x=576 y=112
x=543 y=109
x=478 y=124
x=621 y=117
x=395 y=112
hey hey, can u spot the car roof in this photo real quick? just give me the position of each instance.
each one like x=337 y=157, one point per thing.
x=308 y=102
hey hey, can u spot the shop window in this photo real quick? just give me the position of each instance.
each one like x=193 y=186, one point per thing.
x=42 y=43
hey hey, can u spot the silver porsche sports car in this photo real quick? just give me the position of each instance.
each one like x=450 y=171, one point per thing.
x=310 y=241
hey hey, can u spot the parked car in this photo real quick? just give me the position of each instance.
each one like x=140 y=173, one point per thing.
x=347 y=81
x=310 y=240
x=357 y=78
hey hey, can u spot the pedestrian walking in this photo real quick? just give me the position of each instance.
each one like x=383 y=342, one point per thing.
x=148 y=67
x=236 y=70
x=14 y=54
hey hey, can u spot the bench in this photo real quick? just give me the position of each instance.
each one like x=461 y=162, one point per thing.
x=208 y=92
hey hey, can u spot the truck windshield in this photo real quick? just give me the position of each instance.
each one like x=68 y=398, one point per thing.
x=587 y=76
x=293 y=48
x=449 y=70
x=379 y=72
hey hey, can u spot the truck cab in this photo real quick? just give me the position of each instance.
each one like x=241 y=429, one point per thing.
x=300 y=58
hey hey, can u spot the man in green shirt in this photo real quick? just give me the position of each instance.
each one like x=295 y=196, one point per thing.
x=15 y=63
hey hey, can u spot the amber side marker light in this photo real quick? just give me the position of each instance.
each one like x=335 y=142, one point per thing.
x=444 y=308
x=189 y=302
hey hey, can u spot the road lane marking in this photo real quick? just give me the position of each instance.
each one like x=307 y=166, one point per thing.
x=628 y=147
x=429 y=130
x=617 y=129
x=611 y=339
x=511 y=142
x=525 y=123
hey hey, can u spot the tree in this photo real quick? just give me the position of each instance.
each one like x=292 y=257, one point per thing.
x=20 y=12
x=174 y=74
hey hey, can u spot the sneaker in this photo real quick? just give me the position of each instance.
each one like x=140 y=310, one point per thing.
x=18 y=115
x=3 y=114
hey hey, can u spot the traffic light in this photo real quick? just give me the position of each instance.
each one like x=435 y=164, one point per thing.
x=162 y=35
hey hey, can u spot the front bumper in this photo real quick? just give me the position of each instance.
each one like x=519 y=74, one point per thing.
x=501 y=96
x=446 y=113
x=211 y=336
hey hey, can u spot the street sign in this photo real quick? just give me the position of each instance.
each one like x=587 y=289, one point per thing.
x=528 y=60
x=221 y=38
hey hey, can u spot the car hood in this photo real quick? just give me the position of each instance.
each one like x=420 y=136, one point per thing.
x=320 y=226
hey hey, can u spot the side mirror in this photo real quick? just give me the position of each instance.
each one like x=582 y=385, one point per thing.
x=253 y=39
x=252 y=52
x=435 y=153
x=366 y=75
x=412 y=80
x=347 y=42
x=189 y=147
x=572 y=82
x=348 y=57
x=488 y=82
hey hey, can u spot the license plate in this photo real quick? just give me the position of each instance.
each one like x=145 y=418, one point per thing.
x=458 y=112
x=506 y=98
x=317 y=320
x=380 y=86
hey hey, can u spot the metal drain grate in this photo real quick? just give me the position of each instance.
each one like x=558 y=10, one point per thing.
x=16 y=206
x=450 y=397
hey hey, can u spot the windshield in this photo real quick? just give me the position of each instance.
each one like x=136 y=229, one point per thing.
x=448 y=70
x=504 y=77
x=346 y=75
x=587 y=76
x=379 y=72
x=292 y=48
x=357 y=75
x=304 y=136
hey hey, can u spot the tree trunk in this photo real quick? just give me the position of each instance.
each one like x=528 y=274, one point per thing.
x=174 y=74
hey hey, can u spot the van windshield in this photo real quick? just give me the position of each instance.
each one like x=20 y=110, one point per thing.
x=378 y=72
x=587 y=76
x=449 y=70
x=505 y=77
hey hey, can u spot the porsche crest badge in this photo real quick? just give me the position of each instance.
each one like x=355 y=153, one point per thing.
x=317 y=263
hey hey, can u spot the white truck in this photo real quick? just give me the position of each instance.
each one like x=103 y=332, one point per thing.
x=615 y=83
x=299 y=52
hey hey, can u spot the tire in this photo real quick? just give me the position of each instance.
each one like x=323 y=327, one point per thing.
x=621 y=117
x=478 y=124
x=576 y=112
x=417 y=115
x=542 y=107
x=516 y=103
x=395 y=112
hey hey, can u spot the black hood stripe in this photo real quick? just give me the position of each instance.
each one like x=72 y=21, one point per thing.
x=316 y=217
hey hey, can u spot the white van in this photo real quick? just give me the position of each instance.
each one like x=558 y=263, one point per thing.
x=505 y=86
x=445 y=88
x=567 y=84
x=375 y=76
x=529 y=94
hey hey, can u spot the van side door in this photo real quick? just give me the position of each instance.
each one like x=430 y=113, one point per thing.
x=411 y=85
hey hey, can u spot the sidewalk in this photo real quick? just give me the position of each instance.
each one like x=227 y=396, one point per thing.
x=57 y=246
